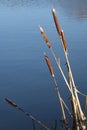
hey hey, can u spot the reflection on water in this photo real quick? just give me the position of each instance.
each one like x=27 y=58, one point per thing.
x=22 y=3
x=75 y=8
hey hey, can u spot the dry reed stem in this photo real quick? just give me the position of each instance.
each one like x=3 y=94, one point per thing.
x=56 y=21
x=62 y=107
x=79 y=110
x=59 y=66
x=49 y=65
x=45 y=37
x=66 y=108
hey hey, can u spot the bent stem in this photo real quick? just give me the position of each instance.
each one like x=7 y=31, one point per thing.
x=27 y=114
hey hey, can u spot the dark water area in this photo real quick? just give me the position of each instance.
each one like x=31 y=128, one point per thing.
x=24 y=76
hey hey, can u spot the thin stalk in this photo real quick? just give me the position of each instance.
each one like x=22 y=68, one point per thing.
x=27 y=114
x=59 y=66
x=67 y=108
x=54 y=126
x=60 y=99
x=62 y=107
x=74 y=104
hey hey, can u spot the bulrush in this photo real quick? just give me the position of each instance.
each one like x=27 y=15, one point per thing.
x=56 y=21
x=11 y=102
x=45 y=37
x=49 y=66
x=63 y=40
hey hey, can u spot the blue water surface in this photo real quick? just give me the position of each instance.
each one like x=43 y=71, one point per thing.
x=24 y=76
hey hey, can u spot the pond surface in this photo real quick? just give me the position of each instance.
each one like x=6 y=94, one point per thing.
x=24 y=76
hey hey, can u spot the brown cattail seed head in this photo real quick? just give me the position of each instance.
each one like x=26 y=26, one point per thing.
x=56 y=21
x=49 y=66
x=63 y=40
x=10 y=102
x=45 y=37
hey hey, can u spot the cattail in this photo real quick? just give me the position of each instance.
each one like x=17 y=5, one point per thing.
x=45 y=37
x=11 y=102
x=56 y=21
x=63 y=40
x=49 y=66
x=27 y=114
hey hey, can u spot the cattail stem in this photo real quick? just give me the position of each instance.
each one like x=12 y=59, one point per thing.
x=62 y=107
x=66 y=108
x=60 y=99
x=74 y=89
x=27 y=114
x=58 y=64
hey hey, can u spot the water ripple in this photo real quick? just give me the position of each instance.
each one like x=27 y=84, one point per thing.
x=22 y=3
x=75 y=8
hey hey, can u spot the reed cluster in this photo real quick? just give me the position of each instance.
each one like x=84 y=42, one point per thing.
x=77 y=115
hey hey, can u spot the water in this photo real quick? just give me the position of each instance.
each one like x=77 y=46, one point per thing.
x=24 y=76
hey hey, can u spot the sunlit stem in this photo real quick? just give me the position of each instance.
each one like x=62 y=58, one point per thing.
x=67 y=108
x=59 y=66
